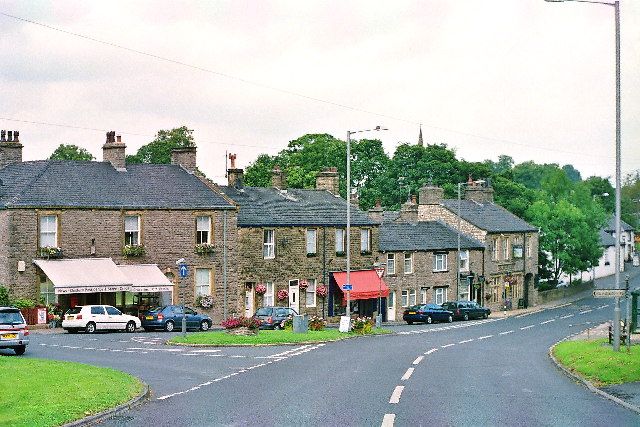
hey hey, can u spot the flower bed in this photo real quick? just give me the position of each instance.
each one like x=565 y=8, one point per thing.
x=241 y=325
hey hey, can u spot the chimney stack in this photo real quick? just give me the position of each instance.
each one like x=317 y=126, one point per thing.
x=479 y=192
x=328 y=180
x=10 y=147
x=278 y=178
x=235 y=175
x=185 y=157
x=431 y=195
x=376 y=213
x=409 y=210
x=113 y=151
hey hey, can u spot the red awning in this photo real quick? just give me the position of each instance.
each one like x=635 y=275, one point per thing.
x=366 y=284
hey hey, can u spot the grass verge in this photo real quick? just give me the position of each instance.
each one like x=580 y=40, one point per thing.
x=38 y=392
x=596 y=361
x=222 y=338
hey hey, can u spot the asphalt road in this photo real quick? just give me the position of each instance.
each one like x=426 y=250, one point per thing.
x=486 y=372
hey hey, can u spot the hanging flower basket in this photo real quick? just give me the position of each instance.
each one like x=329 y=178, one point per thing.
x=205 y=301
x=283 y=294
x=130 y=251
x=322 y=291
x=261 y=289
x=303 y=285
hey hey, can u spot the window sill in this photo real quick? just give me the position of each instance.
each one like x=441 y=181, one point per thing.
x=365 y=252
x=439 y=271
x=311 y=254
x=270 y=257
x=341 y=254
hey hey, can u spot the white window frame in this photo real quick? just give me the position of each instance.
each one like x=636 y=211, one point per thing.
x=505 y=248
x=391 y=264
x=48 y=228
x=310 y=293
x=440 y=295
x=408 y=267
x=365 y=240
x=404 y=298
x=412 y=297
x=203 y=230
x=268 y=299
x=312 y=241
x=202 y=287
x=133 y=238
x=269 y=243
x=341 y=237
x=529 y=247
x=464 y=260
x=495 y=250
x=48 y=292
x=423 y=296
x=439 y=262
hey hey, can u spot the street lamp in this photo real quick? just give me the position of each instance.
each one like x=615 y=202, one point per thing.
x=379 y=268
x=460 y=184
x=348 y=281
x=616 y=310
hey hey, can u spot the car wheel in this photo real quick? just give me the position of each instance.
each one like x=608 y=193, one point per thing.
x=90 y=328
x=429 y=320
x=169 y=326
x=409 y=323
x=466 y=316
x=485 y=315
x=277 y=327
x=20 y=349
x=71 y=330
x=131 y=327
x=204 y=325
x=450 y=319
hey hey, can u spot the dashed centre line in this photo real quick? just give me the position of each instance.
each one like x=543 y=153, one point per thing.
x=407 y=374
x=485 y=337
x=547 y=321
x=506 y=332
x=418 y=360
x=585 y=311
x=465 y=341
x=388 y=420
x=527 y=327
x=431 y=351
x=395 y=396
x=567 y=316
x=448 y=345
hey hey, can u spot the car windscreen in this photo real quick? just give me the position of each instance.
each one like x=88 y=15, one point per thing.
x=263 y=312
x=433 y=307
x=11 y=317
x=156 y=309
x=74 y=310
x=414 y=307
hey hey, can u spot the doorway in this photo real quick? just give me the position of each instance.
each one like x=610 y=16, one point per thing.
x=391 y=307
x=294 y=295
x=249 y=301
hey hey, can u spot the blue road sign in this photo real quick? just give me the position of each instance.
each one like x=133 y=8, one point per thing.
x=347 y=287
x=182 y=269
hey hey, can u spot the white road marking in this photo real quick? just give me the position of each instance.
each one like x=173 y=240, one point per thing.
x=431 y=351
x=485 y=337
x=388 y=420
x=159 y=349
x=585 y=311
x=407 y=374
x=238 y=357
x=465 y=341
x=547 y=321
x=88 y=348
x=448 y=345
x=527 y=327
x=205 y=351
x=397 y=392
x=602 y=306
x=418 y=360
x=69 y=346
x=567 y=316
x=506 y=332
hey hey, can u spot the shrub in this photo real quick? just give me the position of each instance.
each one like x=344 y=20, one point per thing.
x=287 y=324
x=204 y=248
x=239 y=322
x=317 y=323
x=24 y=303
x=4 y=296
x=363 y=325
x=133 y=251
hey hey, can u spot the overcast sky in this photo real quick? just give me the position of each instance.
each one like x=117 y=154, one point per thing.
x=526 y=78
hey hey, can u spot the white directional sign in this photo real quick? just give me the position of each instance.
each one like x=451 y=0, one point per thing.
x=608 y=293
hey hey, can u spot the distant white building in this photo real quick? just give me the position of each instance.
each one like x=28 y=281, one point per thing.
x=627 y=238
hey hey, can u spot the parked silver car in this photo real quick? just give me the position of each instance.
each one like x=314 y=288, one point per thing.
x=14 y=333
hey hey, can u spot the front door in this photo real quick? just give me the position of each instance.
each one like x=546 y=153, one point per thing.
x=248 y=303
x=294 y=295
x=391 y=307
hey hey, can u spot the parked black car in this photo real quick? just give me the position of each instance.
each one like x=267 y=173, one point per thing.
x=427 y=313
x=169 y=318
x=467 y=310
x=273 y=317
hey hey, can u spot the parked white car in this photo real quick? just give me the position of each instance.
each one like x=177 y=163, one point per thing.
x=91 y=318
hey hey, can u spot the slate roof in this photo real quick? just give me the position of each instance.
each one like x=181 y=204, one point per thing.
x=489 y=216
x=270 y=207
x=422 y=236
x=66 y=183
x=611 y=225
x=606 y=239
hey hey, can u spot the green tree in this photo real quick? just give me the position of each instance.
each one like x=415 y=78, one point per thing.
x=158 y=151
x=630 y=199
x=71 y=152
x=504 y=164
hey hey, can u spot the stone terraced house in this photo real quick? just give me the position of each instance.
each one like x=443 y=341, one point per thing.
x=511 y=244
x=293 y=241
x=420 y=260
x=67 y=227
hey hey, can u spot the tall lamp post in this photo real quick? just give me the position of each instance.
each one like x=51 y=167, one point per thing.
x=460 y=184
x=348 y=281
x=616 y=310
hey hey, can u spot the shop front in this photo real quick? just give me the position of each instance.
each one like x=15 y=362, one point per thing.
x=367 y=290
x=131 y=288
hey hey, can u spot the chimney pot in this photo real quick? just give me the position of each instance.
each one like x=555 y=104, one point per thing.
x=10 y=147
x=114 y=152
x=119 y=139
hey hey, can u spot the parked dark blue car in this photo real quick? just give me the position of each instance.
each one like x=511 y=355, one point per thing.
x=427 y=313
x=169 y=318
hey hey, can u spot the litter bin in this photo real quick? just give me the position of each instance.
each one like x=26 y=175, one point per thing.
x=300 y=324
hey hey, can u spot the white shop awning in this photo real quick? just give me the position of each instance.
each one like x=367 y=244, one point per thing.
x=88 y=275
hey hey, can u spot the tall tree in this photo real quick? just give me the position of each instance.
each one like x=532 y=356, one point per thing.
x=159 y=150
x=71 y=152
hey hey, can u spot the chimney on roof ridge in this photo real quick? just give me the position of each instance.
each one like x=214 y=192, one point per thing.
x=409 y=210
x=479 y=192
x=114 y=151
x=278 y=178
x=235 y=176
x=431 y=195
x=376 y=213
x=185 y=157
x=10 y=148
x=328 y=180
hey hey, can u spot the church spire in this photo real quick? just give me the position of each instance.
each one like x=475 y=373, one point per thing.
x=420 y=143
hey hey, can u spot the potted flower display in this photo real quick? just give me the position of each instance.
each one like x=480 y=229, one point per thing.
x=283 y=294
x=322 y=291
x=241 y=325
x=204 y=248
x=205 y=301
x=130 y=251
x=261 y=289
